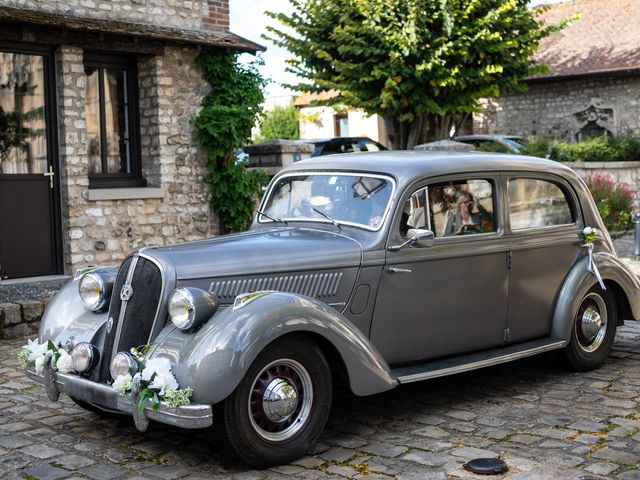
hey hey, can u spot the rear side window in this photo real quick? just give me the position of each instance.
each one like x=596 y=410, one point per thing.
x=537 y=203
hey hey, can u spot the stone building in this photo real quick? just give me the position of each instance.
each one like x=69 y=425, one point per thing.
x=593 y=83
x=96 y=150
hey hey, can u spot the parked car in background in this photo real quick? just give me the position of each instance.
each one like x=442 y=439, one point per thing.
x=510 y=143
x=329 y=146
x=377 y=268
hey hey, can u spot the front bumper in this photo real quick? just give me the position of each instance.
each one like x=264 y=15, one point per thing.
x=191 y=416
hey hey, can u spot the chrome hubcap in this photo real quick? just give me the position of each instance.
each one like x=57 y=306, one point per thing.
x=591 y=323
x=280 y=400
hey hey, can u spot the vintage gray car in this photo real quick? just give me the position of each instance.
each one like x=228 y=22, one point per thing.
x=380 y=268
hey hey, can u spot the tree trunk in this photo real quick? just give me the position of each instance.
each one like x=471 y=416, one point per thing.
x=404 y=135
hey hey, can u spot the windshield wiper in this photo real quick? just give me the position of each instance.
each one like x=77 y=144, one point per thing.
x=271 y=218
x=327 y=217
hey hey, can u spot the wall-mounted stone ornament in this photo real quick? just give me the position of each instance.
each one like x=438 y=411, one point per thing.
x=596 y=119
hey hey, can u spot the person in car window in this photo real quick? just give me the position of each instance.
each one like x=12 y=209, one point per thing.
x=469 y=217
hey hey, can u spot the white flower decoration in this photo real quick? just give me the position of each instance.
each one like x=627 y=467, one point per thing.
x=64 y=364
x=40 y=365
x=163 y=379
x=122 y=384
x=36 y=349
x=589 y=231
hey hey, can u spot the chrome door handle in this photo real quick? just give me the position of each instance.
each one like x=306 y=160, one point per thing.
x=50 y=174
x=398 y=270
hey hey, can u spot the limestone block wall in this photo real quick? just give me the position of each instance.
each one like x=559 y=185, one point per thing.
x=105 y=231
x=549 y=109
x=188 y=14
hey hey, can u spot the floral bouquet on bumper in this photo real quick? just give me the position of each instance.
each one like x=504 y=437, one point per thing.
x=156 y=381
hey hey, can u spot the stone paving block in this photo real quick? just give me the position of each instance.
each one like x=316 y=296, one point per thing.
x=166 y=472
x=432 y=432
x=602 y=468
x=426 y=458
x=12 y=442
x=102 y=472
x=44 y=471
x=616 y=456
x=41 y=451
x=587 y=426
x=384 y=450
x=74 y=462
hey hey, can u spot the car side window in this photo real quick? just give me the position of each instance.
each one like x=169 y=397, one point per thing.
x=461 y=207
x=537 y=203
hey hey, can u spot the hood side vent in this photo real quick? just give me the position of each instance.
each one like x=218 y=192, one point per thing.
x=317 y=285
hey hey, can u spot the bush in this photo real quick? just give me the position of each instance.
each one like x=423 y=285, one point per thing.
x=496 y=147
x=614 y=201
x=598 y=149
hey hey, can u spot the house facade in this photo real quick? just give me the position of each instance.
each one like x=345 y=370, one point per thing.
x=593 y=83
x=321 y=121
x=96 y=149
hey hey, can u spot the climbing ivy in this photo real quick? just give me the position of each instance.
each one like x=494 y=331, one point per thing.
x=229 y=112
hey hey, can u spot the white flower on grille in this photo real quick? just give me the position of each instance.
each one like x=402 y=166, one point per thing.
x=36 y=349
x=163 y=380
x=64 y=364
x=122 y=384
x=40 y=365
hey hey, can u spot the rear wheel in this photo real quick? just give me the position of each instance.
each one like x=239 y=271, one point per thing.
x=593 y=332
x=280 y=407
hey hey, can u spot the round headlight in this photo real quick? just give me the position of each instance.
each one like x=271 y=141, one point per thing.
x=123 y=363
x=84 y=357
x=182 y=309
x=95 y=289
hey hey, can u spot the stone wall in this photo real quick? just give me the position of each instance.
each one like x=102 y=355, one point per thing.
x=561 y=109
x=21 y=318
x=625 y=172
x=188 y=14
x=104 y=231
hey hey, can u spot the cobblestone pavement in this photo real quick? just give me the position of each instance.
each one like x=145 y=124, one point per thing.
x=545 y=422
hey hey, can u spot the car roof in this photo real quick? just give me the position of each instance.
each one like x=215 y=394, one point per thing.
x=409 y=166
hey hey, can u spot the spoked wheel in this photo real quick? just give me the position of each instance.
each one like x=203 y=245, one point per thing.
x=594 y=330
x=280 y=407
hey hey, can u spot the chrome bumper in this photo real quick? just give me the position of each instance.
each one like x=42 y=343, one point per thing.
x=101 y=395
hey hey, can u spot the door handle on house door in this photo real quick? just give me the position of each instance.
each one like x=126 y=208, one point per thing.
x=398 y=270
x=50 y=174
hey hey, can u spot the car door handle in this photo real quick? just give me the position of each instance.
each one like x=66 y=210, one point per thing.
x=398 y=270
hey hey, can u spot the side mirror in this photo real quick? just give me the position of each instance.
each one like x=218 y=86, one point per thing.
x=418 y=237
x=421 y=237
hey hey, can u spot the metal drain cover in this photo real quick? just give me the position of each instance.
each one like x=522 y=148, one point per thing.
x=486 y=466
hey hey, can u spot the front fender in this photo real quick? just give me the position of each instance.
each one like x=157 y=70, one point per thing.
x=216 y=358
x=67 y=320
x=580 y=280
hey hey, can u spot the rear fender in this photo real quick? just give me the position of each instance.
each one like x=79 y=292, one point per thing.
x=216 y=358
x=580 y=280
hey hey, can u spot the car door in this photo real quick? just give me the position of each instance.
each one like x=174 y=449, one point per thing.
x=450 y=298
x=544 y=231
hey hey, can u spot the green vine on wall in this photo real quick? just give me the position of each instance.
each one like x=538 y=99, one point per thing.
x=229 y=112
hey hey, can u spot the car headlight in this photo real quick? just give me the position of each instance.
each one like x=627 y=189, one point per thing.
x=123 y=363
x=95 y=289
x=84 y=357
x=191 y=307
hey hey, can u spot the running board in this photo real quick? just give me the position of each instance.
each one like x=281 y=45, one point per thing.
x=464 y=363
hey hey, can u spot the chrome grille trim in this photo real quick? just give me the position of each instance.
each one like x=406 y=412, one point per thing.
x=163 y=284
x=123 y=306
x=317 y=285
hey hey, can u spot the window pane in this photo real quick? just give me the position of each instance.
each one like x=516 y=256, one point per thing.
x=92 y=119
x=106 y=112
x=23 y=134
x=349 y=199
x=537 y=203
x=115 y=121
x=461 y=208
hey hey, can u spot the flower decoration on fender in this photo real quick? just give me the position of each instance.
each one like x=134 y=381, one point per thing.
x=33 y=353
x=158 y=384
x=588 y=239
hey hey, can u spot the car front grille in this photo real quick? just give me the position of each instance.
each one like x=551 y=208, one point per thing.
x=131 y=320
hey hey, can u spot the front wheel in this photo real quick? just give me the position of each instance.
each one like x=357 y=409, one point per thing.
x=280 y=407
x=593 y=332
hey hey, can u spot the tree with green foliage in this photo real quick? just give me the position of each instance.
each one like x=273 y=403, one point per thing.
x=420 y=64
x=281 y=122
x=229 y=112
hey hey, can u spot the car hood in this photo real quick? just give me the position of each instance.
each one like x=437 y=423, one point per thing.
x=262 y=251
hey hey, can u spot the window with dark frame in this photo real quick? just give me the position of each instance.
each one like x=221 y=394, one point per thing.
x=111 y=116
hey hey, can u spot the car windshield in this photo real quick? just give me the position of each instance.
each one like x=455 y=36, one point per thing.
x=348 y=199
